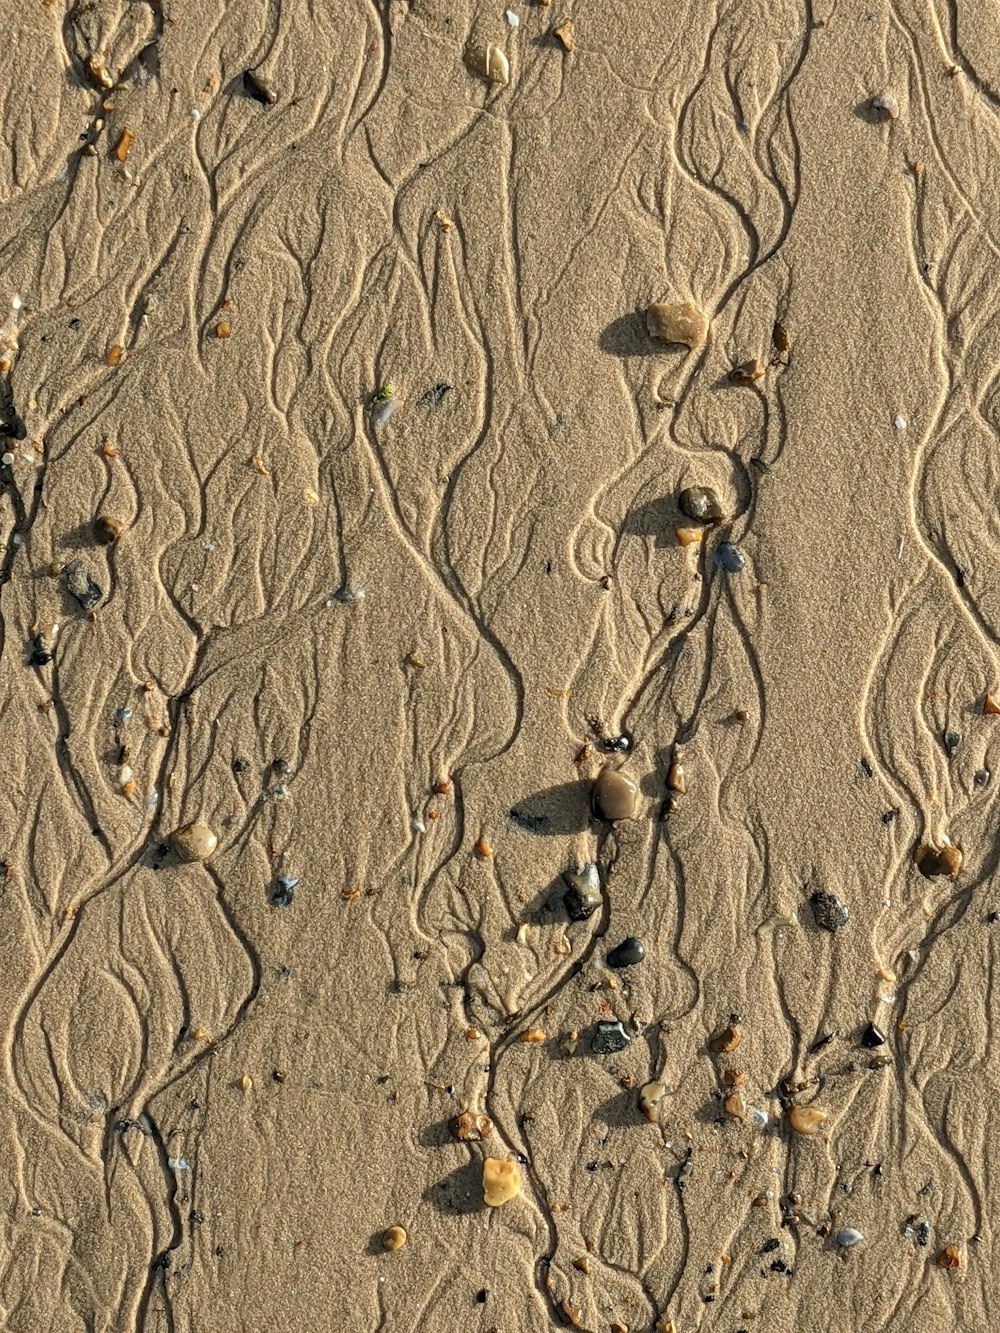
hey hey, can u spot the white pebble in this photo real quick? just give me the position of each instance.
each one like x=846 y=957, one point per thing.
x=195 y=113
x=7 y=460
x=124 y=774
x=418 y=825
x=846 y=1237
x=16 y=303
x=17 y=539
x=759 y=1116
x=899 y=421
x=512 y=19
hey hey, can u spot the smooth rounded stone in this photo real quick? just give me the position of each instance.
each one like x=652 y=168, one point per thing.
x=681 y=322
x=702 y=504
x=728 y=558
x=829 y=912
x=583 y=894
x=933 y=862
x=194 y=841
x=609 y=1038
x=872 y=1037
x=615 y=796
x=394 y=1238
x=651 y=1096
x=501 y=1181
x=107 y=529
x=627 y=954
x=806 y=1120
x=687 y=536
x=846 y=1238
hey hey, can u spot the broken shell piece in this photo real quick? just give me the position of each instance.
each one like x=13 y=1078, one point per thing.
x=614 y=796
x=564 y=32
x=702 y=504
x=470 y=1126
x=885 y=106
x=949 y=1257
x=778 y=922
x=489 y=61
x=679 y=323
x=990 y=707
x=125 y=142
x=394 y=1238
x=688 y=536
x=933 y=863
x=748 y=373
x=501 y=1181
x=650 y=1097
x=806 y=1119
x=726 y=1041
x=194 y=841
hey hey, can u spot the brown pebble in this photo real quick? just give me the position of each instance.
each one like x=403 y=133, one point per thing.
x=564 y=32
x=735 y=1105
x=676 y=780
x=726 y=1041
x=532 y=1034
x=443 y=787
x=688 y=536
x=806 y=1119
x=125 y=142
x=223 y=329
x=615 y=796
x=702 y=504
x=734 y=1077
x=990 y=706
x=483 y=849
x=572 y=1314
x=194 y=841
x=583 y=1264
x=650 y=1097
x=933 y=862
x=501 y=1181
x=747 y=373
x=107 y=529
x=679 y=323
x=780 y=338
x=246 y=1082
x=114 y=354
x=394 y=1238
x=470 y=1126
x=949 y=1257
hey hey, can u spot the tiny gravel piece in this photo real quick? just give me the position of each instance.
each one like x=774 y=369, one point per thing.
x=951 y=740
x=284 y=890
x=728 y=558
x=872 y=1037
x=609 y=1038
x=627 y=954
x=829 y=912
x=394 y=1238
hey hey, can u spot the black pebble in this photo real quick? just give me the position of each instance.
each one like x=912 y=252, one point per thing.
x=992 y=918
x=872 y=1037
x=981 y=777
x=40 y=658
x=617 y=744
x=923 y=1232
x=627 y=954
x=284 y=891
x=481 y=1296
x=952 y=740
x=609 y=1038
x=769 y=1245
x=830 y=913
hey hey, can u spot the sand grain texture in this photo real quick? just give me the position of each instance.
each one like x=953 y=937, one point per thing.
x=382 y=649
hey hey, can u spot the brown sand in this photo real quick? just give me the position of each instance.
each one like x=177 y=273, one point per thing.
x=214 y=1106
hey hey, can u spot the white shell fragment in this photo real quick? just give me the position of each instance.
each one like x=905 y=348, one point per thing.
x=885 y=106
x=512 y=19
x=847 y=1237
x=778 y=921
x=899 y=421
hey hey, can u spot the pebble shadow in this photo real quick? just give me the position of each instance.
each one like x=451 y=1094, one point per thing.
x=461 y=1191
x=555 y=811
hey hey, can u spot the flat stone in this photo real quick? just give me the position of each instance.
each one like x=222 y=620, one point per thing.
x=609 y=1038
x=681 y=322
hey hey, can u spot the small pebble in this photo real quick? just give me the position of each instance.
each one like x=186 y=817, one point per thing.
x=806 y=1120
x=489 y=61
x=194 y=841
x=650 y=1097
x=501 y=1181
x=934 y=863
x=470 y=1126
x=885 y=106
x=394 y=1238
x=609 y=1038
x=512 y=19
x=676 y=780
x=107 y=529
x=951 y=741
x=679 y=323
x=846 y=1238
x=284 y=890
x=990 y=707
x=726 y=1041
x=122 y=714
x=614 y=795
x=735 y=1105
x=687 y=536
x=81 y=586
x=872 y=1037
x=981 y=777
x=728 y=558
x=532 y=1035
x=627 y=954
x=434 y=396
x=829 y=912
x=702 y=504
x=564 y=33
x=949 y=1257
x=583 y=896
x=258 y=88
x=747 y=373
x=899 y=421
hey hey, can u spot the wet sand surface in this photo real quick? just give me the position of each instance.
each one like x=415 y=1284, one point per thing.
x=455 y=876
